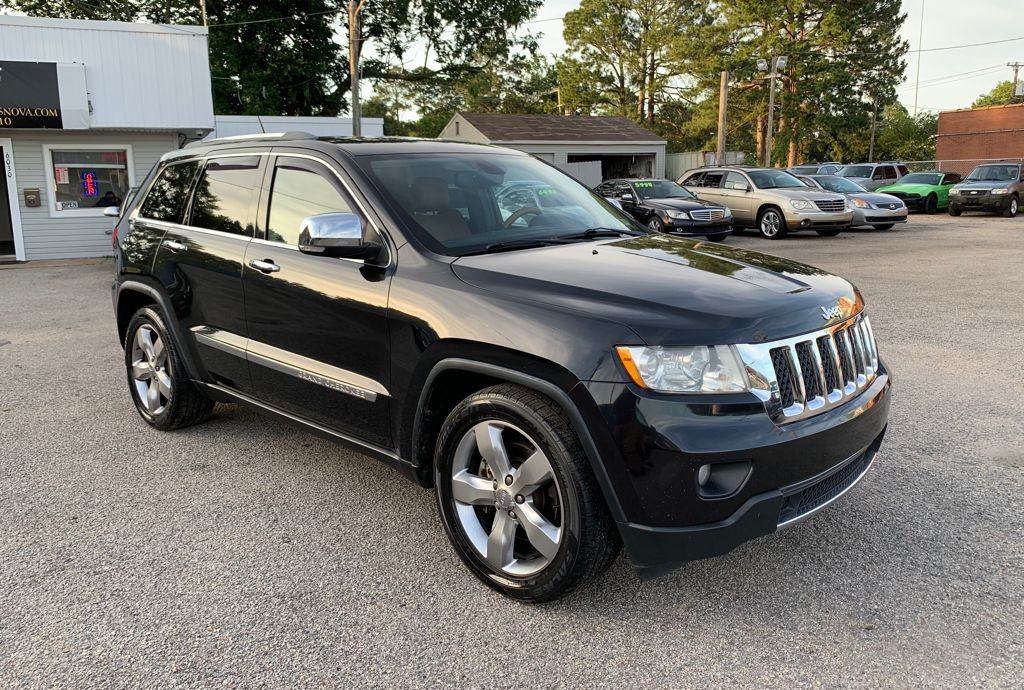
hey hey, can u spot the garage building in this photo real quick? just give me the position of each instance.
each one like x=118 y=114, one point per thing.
x=590 y=148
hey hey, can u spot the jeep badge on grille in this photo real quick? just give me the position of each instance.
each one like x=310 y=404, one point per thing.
x=829 y=313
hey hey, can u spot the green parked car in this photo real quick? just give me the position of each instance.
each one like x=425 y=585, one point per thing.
x=925 y=191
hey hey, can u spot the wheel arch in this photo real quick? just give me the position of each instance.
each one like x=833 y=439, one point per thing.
x=452 y=379
x=131 y=296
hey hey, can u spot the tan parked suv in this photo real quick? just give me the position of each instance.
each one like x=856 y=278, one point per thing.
x=773 y=201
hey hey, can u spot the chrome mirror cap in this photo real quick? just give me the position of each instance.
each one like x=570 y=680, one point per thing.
x=112 y=211
x=336 y=234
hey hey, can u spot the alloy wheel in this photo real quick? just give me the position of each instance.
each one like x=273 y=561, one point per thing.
x=507 y=499
x=150 y=373
x=771 y=223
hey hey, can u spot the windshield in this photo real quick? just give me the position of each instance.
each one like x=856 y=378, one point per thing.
x=855 y=171
x=463 y=203
x=834 y=183
x=994 y=173
x=922 y=178
x=804 y=170
x=660 y=189
x=774 y=179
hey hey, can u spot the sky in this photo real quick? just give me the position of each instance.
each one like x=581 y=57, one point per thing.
x=948 y=78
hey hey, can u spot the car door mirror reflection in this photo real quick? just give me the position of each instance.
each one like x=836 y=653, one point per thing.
x=336 y=234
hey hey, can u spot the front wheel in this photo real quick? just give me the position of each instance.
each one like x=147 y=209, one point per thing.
x=717 y=237
x=160 y=387
x=931 y=204
x=518 y=497
x=885 y=226
x=954 y=211
x=655 y=224
x=1011 y=210
x=772 y=224
x=829 y=232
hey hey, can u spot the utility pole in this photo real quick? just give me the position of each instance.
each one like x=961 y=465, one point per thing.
x=917 y=77
x=874 y=123
x=772 y=66
x=723 y=106
x=354 y=49
x=1016 y=68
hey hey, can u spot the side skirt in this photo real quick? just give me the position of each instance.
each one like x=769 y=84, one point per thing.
x=387 y=456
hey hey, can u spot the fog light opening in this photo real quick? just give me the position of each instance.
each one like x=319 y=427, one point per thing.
x=722 y=479
x=703 y=475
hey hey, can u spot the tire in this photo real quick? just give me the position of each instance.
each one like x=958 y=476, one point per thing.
x=717 y=237
x=163 y=393
x=954 y=211
x=772 y=224
x=1011 y=210
x=829 y=232
x=885 y=226
x=577 y=538
x=655 y=224
x=931 y=204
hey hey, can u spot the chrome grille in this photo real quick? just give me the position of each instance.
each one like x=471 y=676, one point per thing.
x=708 y=214
x=803 y=376
x=831 y=205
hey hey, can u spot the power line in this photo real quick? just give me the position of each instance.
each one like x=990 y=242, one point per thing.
x=948 y=79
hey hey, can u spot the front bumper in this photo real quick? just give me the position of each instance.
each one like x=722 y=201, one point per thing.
x=794 y=469
x=817 y=220
x=697 y=228
x=980 y=202
x=879 y=216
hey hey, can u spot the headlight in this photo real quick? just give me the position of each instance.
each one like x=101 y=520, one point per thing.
x=954 y=191
x=694 y=369
x=728 y=212
x=860 y=203
x=1001 y=190
x=801 y=204
x=678 y=215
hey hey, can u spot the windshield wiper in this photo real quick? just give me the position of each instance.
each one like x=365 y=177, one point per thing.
x=591 y=233
x=509 y=245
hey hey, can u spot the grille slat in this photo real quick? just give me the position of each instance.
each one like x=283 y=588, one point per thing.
x=802 y=376
x=831 y=205
x=708 y=214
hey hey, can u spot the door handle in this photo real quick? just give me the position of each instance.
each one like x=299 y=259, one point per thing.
x=175 y=245
x=266 y=265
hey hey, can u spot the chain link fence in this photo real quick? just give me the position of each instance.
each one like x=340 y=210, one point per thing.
x=962 y=166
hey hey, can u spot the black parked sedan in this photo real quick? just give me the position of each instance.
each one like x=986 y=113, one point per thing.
x=664 y=206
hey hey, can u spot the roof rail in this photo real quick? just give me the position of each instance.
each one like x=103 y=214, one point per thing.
x=275 y=136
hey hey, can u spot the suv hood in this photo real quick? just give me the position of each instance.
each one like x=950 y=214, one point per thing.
x=985 y=184
x=670 y=291
x=803 y=193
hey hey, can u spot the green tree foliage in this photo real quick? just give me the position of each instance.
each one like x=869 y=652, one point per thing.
x=1001 y=94
x=901 y=136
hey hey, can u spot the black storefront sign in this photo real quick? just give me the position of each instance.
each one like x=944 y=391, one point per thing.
x=29 y=96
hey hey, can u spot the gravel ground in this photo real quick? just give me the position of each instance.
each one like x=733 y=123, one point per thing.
x=246 y=554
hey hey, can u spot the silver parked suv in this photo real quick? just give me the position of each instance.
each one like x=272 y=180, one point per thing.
x=771 y=200
x=871 y=176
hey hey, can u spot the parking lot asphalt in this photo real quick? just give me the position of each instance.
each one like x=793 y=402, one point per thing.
x=241 y=553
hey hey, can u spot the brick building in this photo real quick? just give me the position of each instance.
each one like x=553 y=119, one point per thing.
x=967 y=137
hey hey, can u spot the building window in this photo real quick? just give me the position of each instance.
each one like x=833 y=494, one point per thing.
x=88 y=178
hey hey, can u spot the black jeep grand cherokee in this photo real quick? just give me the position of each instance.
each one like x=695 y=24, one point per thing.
x=567 y=381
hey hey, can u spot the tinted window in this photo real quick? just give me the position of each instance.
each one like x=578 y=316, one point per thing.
x=828 y=169
x=774 y=179
x=951 y=178
x=166 y=198
x=855 y=171
x=903 y=169
x=713 y=179
x=297 y=193
x=224 y=195
x=693 y=180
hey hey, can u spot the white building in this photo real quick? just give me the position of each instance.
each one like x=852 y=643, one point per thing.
x=236 y=125
x=86 y=109
x=590 y=148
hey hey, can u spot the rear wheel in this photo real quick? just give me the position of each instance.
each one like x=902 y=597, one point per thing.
x=518 y=498
x=885 y=226
x=1011 y=210
x=654 y=224
x=160 y=387
x=931 y=204
x=772 y=224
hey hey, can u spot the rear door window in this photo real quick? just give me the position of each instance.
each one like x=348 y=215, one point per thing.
x=693 y=180
x=713 y=179
x=168 y=195
x=734 y=180
x=225 y=195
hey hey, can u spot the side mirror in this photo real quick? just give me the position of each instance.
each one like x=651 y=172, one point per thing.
x=112 y=211
x=628 y=198
x=336 y=234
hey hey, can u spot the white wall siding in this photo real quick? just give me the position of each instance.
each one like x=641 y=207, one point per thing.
x=139 y=76
x=47 y=237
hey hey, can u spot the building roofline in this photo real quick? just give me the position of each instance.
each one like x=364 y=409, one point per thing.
x=92 y=25
x=982 y=107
